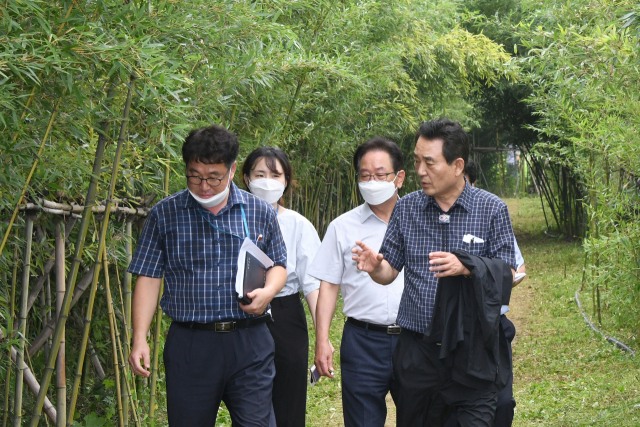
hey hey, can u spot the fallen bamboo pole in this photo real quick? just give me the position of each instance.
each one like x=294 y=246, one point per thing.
x=22 y=321
x=75 y=265
x=31 y=382
x=112 y=331
x=61 y=376
x=72 y=210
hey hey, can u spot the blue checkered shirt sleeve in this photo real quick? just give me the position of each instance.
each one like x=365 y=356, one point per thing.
x=275 y=247
x=500 y=237
x=393 y=244
x=148 y=259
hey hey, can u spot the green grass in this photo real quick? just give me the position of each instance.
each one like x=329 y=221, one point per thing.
x=565 y=375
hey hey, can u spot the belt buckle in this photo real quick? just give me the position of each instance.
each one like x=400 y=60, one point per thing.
x=225 y=326
x=394 y=330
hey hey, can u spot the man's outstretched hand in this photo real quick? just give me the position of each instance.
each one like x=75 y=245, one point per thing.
x=368 y=260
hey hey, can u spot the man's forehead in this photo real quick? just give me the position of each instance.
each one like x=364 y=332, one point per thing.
x=207 y=168
x=376 y=159
x=429 y=148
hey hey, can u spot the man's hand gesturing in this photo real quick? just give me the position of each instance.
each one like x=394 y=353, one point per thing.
x=368 y=260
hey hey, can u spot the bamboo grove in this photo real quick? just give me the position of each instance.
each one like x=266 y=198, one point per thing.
x=97 y=96
x=95 y=100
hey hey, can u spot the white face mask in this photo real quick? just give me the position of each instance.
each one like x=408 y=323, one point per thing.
x=214 y=200
x=268 y=190
x=377 y=192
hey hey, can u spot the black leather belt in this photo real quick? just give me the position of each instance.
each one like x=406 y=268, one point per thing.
x=282 y=302
x=227 y=325
x=391 y=329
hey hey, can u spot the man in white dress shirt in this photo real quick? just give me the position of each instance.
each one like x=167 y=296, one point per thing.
x=370 y=333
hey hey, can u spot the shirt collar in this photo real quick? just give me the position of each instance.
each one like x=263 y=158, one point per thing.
x=366 y=212
x=236 y=196
x=464 y=199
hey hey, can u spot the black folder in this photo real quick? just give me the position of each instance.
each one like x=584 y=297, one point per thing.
x=255 y=275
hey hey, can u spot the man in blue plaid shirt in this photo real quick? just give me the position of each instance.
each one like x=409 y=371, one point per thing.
x=216 y=349
x=424 y=229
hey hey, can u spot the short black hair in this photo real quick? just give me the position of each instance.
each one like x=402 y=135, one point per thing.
x=211 y=145
x=471 y=170
x=270 y=155
x=378 y=143
x=455 y=140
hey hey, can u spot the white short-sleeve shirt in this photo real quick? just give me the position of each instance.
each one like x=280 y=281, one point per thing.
x=302 y=242
x=363 y=298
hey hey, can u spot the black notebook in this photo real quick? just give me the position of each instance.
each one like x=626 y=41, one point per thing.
x=254 y=277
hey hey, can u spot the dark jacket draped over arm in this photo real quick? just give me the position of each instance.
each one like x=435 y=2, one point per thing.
x=466 y=321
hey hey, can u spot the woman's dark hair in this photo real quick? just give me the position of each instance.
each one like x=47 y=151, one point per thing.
x=471 y=170
x=455 y=140
x=270 y=155
x=378 y=143
x=211 y=145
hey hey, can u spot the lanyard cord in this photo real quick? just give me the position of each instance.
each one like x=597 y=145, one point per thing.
x=244 y=221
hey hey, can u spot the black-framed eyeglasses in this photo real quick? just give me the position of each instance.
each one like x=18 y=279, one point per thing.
x=364 y=177
x=213 y=182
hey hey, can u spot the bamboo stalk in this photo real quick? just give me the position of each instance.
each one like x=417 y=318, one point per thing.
x=73 y=271
x=43 y=312
x=87 y=324
x=158 y=326
x=127 y=305
x=33 y=169
x=22 y=321
x=126 y=387
x=126 y=372
x=61 y=375
x=7 y=386
x=112 y=331
x=99 y=256
x=7 y=390
x=35 y=290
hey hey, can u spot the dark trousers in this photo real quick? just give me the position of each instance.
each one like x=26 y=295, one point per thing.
x=423 y=388
x=506 y=402
x=291 y=338
x=366 y=369
x=205 y=367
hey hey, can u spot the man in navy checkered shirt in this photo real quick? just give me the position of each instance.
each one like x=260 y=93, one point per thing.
x=216 y=349
x=424 y=229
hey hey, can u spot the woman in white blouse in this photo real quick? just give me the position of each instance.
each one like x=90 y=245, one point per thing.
x=267 y=174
